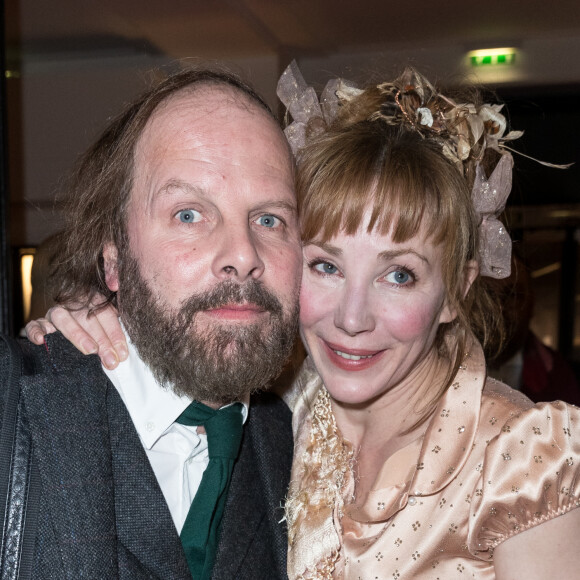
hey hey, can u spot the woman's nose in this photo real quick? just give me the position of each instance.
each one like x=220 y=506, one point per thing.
x=354 y=313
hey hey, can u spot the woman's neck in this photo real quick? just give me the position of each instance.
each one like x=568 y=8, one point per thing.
x=380 y=428
x=387 y=423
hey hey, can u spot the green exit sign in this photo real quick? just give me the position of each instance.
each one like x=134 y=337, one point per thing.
x=492 y=57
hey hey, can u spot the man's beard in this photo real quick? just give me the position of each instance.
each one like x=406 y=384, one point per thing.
x=217 y=364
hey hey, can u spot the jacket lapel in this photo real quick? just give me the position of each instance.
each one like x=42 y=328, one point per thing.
x=105 y=502
x=253 y=541
x=66 y=410
x=144 y=524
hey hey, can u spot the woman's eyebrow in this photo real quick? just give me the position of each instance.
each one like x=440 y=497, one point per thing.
x=391 y=254
x=326 y=247
x=385 y=255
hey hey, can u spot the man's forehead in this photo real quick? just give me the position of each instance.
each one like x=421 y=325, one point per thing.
x=209 y=99
x=211 y=111
x=212 y=128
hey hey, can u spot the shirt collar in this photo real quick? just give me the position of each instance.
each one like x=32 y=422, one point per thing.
x=152 y=407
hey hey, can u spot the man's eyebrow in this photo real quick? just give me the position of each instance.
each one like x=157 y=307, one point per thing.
x=276 y=204
x=174 y=184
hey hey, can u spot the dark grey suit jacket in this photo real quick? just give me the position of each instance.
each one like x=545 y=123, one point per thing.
x=102 y=513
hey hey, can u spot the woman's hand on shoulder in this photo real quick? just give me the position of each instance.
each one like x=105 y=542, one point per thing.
x=548 y=550
x=99 y=333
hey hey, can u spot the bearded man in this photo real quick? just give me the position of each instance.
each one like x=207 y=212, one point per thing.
x=183 y=216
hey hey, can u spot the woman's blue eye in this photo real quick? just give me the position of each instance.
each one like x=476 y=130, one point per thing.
x=188 y=216
x=399 y=277
x=268 y=221
x=326 y=268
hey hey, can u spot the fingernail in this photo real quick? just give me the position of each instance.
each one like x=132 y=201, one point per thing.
x=89 y=347
x=121 y=351
x=111 y=360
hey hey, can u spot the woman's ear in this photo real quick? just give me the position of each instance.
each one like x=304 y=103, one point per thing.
x=470 y=273
x=110 y=263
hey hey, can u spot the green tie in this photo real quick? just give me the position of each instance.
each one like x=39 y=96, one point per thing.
x=199 y=535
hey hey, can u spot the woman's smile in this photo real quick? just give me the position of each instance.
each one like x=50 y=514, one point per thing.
x=349 y=359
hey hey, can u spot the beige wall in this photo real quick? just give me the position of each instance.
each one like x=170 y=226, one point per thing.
x=58 y=107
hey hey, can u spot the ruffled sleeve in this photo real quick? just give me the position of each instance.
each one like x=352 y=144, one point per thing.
x=530 y=475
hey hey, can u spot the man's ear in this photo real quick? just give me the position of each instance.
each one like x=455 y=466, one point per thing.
x=110 y=264
x=470 y=273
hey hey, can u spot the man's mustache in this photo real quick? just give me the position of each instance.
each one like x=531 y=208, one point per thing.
x=229 y=292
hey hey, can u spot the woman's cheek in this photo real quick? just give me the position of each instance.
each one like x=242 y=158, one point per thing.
x=307 y=304
x=409 y=321
x=316 y=301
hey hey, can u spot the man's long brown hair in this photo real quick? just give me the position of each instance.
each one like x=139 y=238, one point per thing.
x=99 y=189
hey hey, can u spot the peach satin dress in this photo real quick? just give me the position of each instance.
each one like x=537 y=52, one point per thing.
x=490 y=465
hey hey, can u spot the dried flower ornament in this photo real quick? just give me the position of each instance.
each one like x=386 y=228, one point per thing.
x=463 y=130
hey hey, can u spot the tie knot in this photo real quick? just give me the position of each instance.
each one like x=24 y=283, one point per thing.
x=223 y=427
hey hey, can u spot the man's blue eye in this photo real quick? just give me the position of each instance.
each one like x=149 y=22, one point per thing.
x=188 y=216
x=268 y=221
x=399 y=277
x=326 y=268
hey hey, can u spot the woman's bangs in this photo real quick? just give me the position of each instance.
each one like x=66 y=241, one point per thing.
x=336 y=200
x=404 y=205
x=406 y=187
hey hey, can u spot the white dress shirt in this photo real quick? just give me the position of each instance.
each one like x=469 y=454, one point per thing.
x=178 y=454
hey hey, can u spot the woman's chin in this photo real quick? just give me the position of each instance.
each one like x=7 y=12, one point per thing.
x=351 y=395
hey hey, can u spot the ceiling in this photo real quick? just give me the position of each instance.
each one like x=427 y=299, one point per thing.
x=226 y=28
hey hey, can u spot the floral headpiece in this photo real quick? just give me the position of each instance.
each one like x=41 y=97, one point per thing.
x=310 y=116
x=463 y=130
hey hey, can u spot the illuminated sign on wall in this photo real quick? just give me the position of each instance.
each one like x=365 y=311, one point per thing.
x=492 y=57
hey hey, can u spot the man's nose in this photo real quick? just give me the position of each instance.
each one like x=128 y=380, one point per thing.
x=237 y=254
